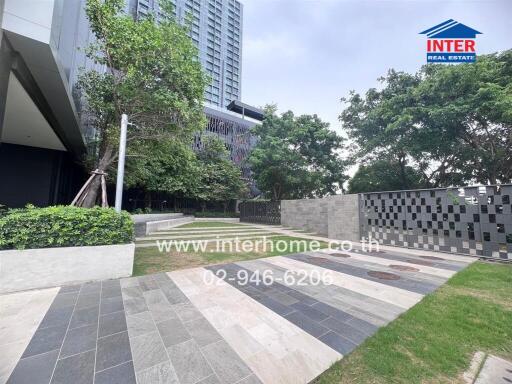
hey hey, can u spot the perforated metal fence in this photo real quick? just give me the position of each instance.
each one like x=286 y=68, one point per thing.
x=470 y=220
x=263 y=212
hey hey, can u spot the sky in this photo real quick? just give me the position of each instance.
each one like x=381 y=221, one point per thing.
x=304 y=55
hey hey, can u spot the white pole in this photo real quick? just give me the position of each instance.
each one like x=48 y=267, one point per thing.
x=120 y=163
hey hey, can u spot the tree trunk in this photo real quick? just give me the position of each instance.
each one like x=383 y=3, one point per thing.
x=94 y=187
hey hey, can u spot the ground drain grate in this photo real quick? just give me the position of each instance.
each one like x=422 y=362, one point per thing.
x=383 y=275
x=403 y=268
x=421 y=262
x=431 y=258
x=338 y=254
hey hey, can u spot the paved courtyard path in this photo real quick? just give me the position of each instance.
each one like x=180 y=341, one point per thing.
x=280 y=320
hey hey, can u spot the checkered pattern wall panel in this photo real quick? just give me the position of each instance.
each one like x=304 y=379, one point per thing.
x=471 y=220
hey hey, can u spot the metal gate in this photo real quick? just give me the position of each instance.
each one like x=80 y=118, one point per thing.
x=262 y=212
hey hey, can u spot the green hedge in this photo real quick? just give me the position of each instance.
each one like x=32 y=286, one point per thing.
x=216 y=214
x=64 y=226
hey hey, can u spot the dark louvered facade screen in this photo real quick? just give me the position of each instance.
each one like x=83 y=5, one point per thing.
x=262 y=212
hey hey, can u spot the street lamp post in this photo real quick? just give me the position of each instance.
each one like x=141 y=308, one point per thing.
x=120 y=163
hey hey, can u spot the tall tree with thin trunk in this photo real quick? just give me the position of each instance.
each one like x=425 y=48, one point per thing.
x=152 y=74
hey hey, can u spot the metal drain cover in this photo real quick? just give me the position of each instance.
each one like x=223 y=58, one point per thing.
x=421 y=262
x=339 y=254
x=404 y=268
x=383 y=275
x=431 y=258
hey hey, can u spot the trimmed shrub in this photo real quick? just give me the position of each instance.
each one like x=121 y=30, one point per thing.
x=64 y=226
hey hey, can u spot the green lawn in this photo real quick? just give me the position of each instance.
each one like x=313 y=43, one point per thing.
x=435 y=340
x=151 y=260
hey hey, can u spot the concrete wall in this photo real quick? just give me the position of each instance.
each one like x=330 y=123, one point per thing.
x=336 y=217
x=50 y=267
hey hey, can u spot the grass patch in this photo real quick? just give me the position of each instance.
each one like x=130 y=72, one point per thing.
x=210 y=224
x=435 y=340
x=150 y=260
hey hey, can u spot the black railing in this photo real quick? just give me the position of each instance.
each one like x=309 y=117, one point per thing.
x=262 y=212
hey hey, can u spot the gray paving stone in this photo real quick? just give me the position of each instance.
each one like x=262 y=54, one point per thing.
x=332 y=311
x=148 y=285
x=112 y=323
x=283 y=298
x=85 y=316
x=302 y=297
x=148 y=350
x=275 y=306
x=162 y=312
x=113 y=350
x=131 y=292
x=162 y=373
x=86 y=300
x=202 y=332
x=45 y=340
x=110 y=291
x=188 y=362
x=34 y=370
x=363 y=326
x=77 y=369
x=345 y=330
x=306 y=324
x=64 y=300
x=129 y=282
x=79 y=340
x=309 y=311
x=91 y=287
x=56 y=316
x=112 y=304
x=173 y=332
x=70 y=288
x=135 y=305
x=120 y=374
x=173 y=294
x=140 y=324
x=110 y=283
x=338 y=343
x=187 y=312
x=226 y=364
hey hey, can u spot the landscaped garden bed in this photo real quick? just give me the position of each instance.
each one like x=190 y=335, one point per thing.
x=43 y=247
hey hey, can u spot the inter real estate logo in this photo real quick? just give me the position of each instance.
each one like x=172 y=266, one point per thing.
x=451 y=42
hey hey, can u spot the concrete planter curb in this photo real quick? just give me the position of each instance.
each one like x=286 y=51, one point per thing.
x=50 y=267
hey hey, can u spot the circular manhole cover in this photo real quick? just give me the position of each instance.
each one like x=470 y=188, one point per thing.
x=383 y=275
x=403 y=268
x=420 y=262
x=339 y=254
x=431 y=258
x=317 y=259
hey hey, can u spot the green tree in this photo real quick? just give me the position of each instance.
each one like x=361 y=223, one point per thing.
x=451 y=123
x=169 y=166
x=220 y=179
x=152 y=74
x=383 y=175
x=296 y=156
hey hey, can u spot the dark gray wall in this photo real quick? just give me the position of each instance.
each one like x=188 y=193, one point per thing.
x=38 y=176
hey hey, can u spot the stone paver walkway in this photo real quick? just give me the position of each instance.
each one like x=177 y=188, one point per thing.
x=212 y=325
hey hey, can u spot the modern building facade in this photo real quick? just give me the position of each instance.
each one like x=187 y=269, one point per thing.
x=216 y=29
x=41 y=138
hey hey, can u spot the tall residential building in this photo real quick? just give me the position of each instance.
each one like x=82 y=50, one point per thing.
x=216 y=29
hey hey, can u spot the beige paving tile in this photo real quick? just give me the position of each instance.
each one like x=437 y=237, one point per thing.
x=20 y=315
x=276 y=350
x=399 y=297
